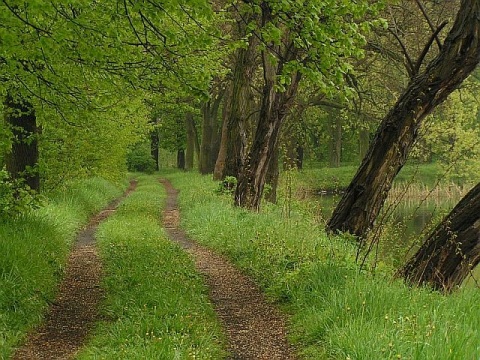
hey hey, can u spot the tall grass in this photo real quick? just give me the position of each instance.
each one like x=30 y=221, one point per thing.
x=34 y=250
x=156 y=305
x=337 y=311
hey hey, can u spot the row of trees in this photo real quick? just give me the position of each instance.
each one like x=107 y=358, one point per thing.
x=82 y=82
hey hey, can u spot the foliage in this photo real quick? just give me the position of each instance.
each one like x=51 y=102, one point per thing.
x=452 y=135
x=227 y=185
x=157 y=304
x=15 y=198
x=34 y=250
x=336 y=311
x=140 y=159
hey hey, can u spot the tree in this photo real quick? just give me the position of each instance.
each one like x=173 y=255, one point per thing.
x=210 y=133
x=237 y=105
x=292 y=46
x=458 y=57
x=22 y=160
x=451 y=251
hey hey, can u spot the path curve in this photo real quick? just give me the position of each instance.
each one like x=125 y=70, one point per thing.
x=255 y=329
x=75 y=309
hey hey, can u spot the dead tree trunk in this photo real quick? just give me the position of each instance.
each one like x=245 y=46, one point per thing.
x=458 y=57
x=451 y=251
x=21 y=162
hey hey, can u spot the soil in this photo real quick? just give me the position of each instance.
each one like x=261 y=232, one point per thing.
x=255 y=329
x=75 y=309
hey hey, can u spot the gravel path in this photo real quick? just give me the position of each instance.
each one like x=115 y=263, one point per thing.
x=74 y=311
x=255 y=329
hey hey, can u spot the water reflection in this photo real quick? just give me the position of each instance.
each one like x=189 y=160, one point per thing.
x=403 y=224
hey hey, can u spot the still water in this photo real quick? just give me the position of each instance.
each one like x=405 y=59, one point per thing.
x=403 y=223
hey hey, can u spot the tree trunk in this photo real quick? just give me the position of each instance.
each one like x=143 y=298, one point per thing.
x=154 y=147
x=364 y=197
x=299 y=157
x=181 y=159
x=190 y=151
x=236 y=112
x=272 y=178
x=451 y=251
x=209 y=134
x=363 y=142
x=336 y=138
x=21 y=162
x=273 y=110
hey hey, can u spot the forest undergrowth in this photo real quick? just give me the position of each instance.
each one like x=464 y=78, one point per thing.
x=336 y=310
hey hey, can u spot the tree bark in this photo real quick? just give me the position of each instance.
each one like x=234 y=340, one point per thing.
x=363 y=142
x=273 y=111
x=181 y=159
x=21 y=162
x=364 y=197
x=209 y=132
x=190 y=151
x=272 y=178
x=451 y=251
x=155 y=147
x=236 y=112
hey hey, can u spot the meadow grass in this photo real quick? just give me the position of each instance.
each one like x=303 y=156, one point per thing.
x=34 y=249
x=336 y=311
x=156 y=305
x=334 y=179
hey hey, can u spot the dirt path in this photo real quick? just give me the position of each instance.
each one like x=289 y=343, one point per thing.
x=74 y=310
x=254 y=328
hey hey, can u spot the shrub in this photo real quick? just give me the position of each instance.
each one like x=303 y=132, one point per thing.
x=139 y=159
x=15 y=197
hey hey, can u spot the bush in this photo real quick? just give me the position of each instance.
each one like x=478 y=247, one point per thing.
x=139 y=159
x=15 y=197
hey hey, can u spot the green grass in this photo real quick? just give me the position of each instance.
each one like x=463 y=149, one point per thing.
x=157 y=305
x=34 y=250
x=337 y=312
x=333 y=179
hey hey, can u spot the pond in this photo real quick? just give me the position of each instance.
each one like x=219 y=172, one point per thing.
x=402 y=224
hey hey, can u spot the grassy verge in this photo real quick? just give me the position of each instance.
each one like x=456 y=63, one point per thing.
x=334 y=179
x=33 y=251
x=336 y=311
x=156 y=305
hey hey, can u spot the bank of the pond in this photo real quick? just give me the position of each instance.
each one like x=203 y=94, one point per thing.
x=414 y=179
x=34 y=249
x=336 y=311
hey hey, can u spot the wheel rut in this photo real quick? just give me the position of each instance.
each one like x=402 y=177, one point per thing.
x=75 y=309
x=254 y=328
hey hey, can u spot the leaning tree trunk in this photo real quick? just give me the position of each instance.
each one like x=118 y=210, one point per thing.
x=458 y=57
x=451 y=251
x=21 y=162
